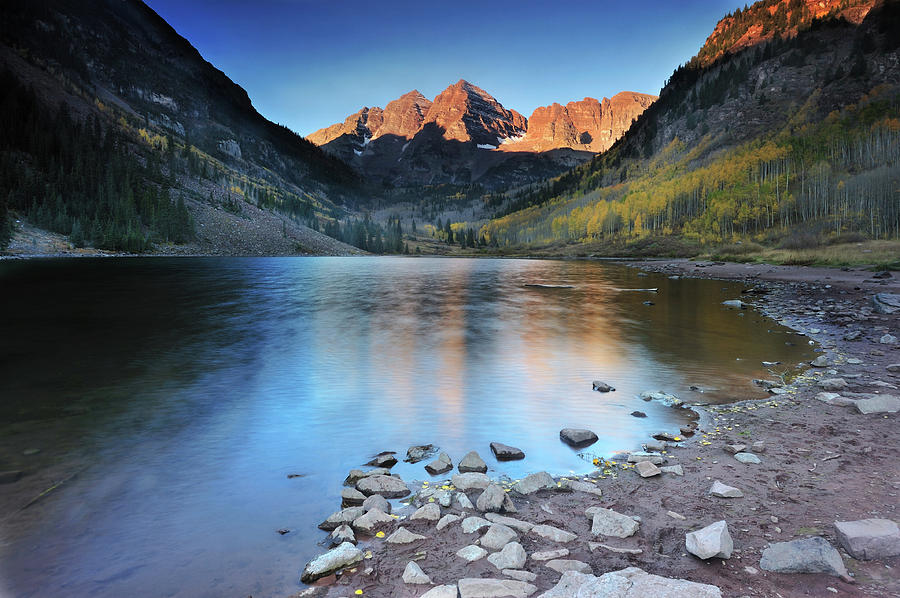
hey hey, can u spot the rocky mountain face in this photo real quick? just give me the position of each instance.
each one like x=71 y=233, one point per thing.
x=769 y=18
x=465 y=135
x=588 y=125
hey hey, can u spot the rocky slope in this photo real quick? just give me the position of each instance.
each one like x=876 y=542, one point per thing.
x=465 y=135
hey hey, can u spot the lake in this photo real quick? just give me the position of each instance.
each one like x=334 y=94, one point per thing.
x=182 y=392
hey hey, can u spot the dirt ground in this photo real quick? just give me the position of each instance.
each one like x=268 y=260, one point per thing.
x=821 y=463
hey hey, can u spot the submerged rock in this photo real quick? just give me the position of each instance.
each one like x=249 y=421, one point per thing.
x=601 y=386
x=420 y=452
x=472 y=463
x=385 y=459
x=504 y=452
x=577 y=437
x=442 y=464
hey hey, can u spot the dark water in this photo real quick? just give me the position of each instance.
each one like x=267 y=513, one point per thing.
x=185 y=390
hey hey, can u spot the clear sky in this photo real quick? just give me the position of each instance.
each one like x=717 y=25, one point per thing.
x=310 y=63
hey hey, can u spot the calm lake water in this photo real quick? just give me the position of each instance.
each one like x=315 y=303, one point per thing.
x=183 y=391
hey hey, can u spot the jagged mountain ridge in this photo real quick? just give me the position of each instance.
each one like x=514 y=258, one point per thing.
x=465 y=135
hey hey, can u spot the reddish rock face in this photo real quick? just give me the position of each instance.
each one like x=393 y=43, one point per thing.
x=468 y=113
x=404 y=116
x=359 y=124
x=588 y=125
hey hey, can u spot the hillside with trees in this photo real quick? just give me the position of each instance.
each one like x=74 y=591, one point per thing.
x=796 y=135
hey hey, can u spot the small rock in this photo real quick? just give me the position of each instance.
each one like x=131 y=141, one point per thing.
x=8 y=477
x=878 y=404
x=563 y=565
x=669 y=400
x=639 y=457
x=606 y=522
x=735 y=303
x=413 y=574
x=711 y=541
x=577 y=437
x=351 y=497
x=403 y=536
x=430 y=512
x=512 y=556
x=471 y=525
x=441 y=592
x=852 y=336
x=472 y=463
x=284 y=531
x=520 y=575
x=420 y=452
x=869 y=539
x=337 y=558
x=385 y=485
x=470 y=481
x=534 y=482
x=579 y=486
x=747 y=458
x=733 y=449
x=504 y=452
x=463 y=502
x=516 y=524
x=595 y=545
x=343 y=516
x=554 y=534
x=442 y=464
x=820 y=362
x=602 y=386
x=724 y=491
x=491 y=499
x=372 y=521
x=376 y=501
x=385 y=459
x=673 y=469
x=894 y=368
x=638 y=414
x=549 y=555
x=833 y=384
x=888 y=339
x=447 y=520
x=646 y=469
x=489 y=588
x=806 y=555
x=675 y=515
x=343 y=534
x=655 y=446
x=471 y=553
x=498 y=536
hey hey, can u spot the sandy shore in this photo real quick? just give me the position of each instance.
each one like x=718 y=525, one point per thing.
x=819 y=463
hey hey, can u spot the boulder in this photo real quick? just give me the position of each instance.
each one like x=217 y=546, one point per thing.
x=563 y=565
x=470 y=525
x=628 y=583
x=498 y=536
x=806 y=555
x=534 y=482
x=646 y=469
x=504 y=452
x=442 y=464
x=385 y=459
x=441 y=592
x=869 y=539
x=471 y=553
x=516 y=524
x=351 y=497
x=724 y=491
x=711 y=541
x=335 y=520
x=413 y=574
x=372 y=521
x=554 y=534
x=403 y=536
x=472 y=462
x=470 y=481
x=878 y=404
x=376 y=501
x=601 y=386
x=430 y=512
x=385 y=485
x=447 y=520
x=420 y=452
x=606 y=522
x=512 y=556
x=577 y=437
x=747 y=458
x=491 y=499
x=494 y=588
x=337 y=558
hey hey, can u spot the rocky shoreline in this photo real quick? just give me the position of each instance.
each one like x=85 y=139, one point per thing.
x=795 y=495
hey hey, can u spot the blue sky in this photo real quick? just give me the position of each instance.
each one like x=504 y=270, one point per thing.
x=310 y=63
